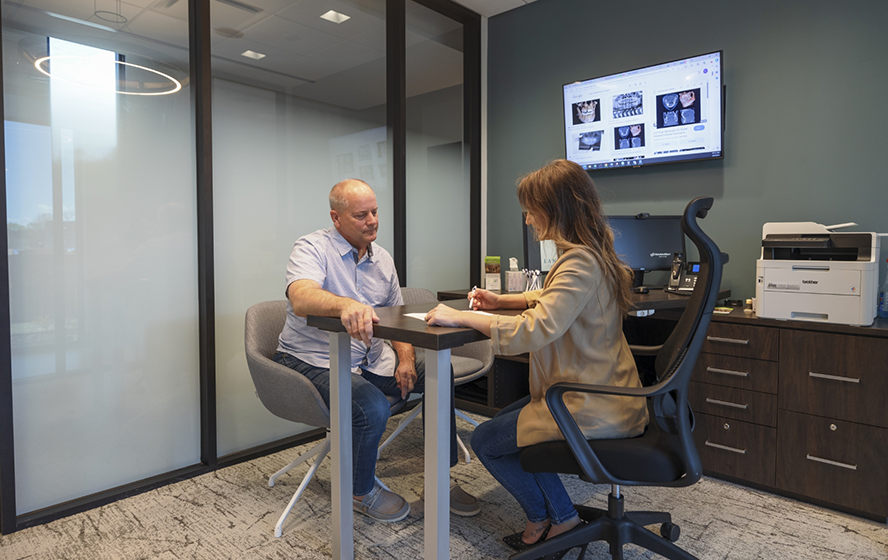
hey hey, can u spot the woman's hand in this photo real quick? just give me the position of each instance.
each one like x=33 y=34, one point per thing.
x=482 y=299
x=444 y=316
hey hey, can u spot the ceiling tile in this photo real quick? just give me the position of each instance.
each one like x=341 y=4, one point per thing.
x=308 y=12
x=348 y=54
x=290 y=36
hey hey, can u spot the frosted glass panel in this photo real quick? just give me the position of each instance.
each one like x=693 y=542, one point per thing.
x=437 y=161
x=102 y=253
x=286 y=128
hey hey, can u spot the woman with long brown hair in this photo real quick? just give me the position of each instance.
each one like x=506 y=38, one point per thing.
x=573 y=331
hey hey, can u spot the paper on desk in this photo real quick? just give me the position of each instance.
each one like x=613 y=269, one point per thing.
x=421 y=316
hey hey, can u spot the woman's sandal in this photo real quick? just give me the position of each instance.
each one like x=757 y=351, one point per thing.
x=515 y=541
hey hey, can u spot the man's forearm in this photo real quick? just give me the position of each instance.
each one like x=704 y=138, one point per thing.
x=406 y=353
x=311 y=300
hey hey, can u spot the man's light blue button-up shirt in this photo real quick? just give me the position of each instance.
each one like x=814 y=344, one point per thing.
x=327 y=258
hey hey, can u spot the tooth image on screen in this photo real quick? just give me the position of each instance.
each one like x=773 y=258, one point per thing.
x=687 y=116
x=628 y=104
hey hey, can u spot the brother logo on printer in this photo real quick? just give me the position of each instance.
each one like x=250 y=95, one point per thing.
x=662 y=255
x=809 y=281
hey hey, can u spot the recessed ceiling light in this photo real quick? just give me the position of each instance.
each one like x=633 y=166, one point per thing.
x=335 y=17
x=229 y=33
x=253 y=55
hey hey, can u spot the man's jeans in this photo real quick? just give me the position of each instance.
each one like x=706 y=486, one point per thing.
x=370 y=412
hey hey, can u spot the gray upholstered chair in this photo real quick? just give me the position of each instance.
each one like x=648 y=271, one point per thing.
x=469 y=362
x=286 y=393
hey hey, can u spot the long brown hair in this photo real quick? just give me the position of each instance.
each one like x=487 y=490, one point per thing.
x=567 y=210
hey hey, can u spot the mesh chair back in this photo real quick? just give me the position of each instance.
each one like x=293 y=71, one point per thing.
x=675 y=361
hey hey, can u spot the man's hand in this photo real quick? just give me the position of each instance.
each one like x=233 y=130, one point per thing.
x=405 y=377
x=358 y=320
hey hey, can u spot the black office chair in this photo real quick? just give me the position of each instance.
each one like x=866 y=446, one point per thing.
x=664 y=455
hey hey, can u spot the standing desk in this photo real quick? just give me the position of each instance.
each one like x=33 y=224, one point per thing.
x=437 y=342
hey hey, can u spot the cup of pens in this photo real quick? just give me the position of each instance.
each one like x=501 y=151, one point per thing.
x=531 y=280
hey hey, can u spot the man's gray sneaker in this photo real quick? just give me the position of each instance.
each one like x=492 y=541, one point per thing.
x=382 y=505
x=462 y=503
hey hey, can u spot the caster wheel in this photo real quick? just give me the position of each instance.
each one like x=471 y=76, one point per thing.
x=670 y=531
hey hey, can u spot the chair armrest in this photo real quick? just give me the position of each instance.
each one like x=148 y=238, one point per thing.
x=639 y=350
x=574 y=437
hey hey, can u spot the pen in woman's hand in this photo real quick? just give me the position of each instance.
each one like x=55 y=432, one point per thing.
x=472 y=298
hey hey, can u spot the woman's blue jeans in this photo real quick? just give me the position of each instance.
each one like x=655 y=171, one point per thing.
x=542 y=495
x=370 y=412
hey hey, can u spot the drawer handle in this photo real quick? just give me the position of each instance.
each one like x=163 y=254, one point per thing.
x=725 y=447
x=728 y=340
x=726 y=403
x=834 y=377
x=834 y=463
x=728 y=371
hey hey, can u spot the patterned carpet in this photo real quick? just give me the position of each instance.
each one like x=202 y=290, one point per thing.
x=231 y=514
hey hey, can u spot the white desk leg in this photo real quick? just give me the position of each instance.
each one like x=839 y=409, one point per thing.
x=341 y=460
x=437 y=454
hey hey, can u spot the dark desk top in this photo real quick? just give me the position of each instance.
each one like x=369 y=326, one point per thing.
x=655 y=299
x=393 y=325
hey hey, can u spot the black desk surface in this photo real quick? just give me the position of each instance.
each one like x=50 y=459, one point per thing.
x=655 y=299
x=393 y=325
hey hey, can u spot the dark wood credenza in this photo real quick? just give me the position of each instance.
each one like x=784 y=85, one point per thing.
x=796 y=408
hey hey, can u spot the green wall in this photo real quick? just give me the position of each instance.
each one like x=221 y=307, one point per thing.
x=805 y=139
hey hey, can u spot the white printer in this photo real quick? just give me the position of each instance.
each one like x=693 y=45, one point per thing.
x=809 y=272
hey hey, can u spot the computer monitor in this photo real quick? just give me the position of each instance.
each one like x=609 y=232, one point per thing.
x=644 y=242
x=647 y=243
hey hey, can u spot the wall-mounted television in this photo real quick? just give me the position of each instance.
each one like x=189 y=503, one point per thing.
x=666 y=113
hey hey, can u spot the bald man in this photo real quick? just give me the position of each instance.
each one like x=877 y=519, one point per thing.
x=342 y=272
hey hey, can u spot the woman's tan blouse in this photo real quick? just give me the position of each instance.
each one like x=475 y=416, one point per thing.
x=573 y=331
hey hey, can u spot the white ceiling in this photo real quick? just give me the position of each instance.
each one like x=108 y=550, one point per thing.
x=341 y=64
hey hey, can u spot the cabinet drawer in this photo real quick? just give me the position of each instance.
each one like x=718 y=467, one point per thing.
x=737 y=449
x=739 y=404
x=837 y=376
x=760 y=343
x=839 y=462
x=743 y=373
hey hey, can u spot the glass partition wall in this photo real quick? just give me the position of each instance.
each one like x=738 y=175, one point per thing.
x=101 y=247
x=437 y=160
x=107 y=320
x=299 y=104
